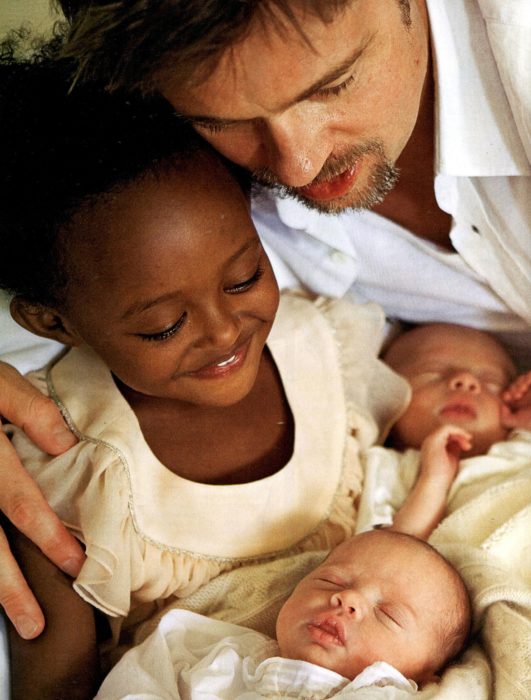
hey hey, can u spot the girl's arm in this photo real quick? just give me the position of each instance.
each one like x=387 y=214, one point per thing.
x=439 y=460
x=62 y=663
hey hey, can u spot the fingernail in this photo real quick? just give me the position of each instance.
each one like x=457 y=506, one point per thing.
x=71 y=566
x=27 y=627
x=64 y=438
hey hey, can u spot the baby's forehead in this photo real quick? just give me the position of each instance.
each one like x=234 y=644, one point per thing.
x=447 y=344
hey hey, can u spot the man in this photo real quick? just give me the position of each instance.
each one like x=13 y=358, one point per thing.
x=340 y=105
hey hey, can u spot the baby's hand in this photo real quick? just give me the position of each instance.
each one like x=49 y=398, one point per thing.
x=441 y=450
x=516 y=410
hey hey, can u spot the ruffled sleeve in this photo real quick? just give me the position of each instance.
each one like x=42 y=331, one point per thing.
x=375 y=395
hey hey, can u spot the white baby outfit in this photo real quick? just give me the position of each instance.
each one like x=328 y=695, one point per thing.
x=194 y=657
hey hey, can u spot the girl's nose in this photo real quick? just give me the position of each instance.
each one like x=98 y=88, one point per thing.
x=220 y=327
x=465 y=381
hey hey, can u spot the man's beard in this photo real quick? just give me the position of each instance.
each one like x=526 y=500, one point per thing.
x=383 y=177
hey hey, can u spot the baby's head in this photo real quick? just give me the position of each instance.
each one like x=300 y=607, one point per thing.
x=379 y=596
x=122 y=229
x=457 y=375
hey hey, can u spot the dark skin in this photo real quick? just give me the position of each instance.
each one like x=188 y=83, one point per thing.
x=61 y=664
x=247 y=441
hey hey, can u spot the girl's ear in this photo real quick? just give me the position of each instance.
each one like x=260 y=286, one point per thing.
x=44 y=321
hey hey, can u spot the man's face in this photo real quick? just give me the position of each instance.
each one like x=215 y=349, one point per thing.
x=327 y=118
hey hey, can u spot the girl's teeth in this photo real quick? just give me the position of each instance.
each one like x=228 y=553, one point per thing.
x=226 y=362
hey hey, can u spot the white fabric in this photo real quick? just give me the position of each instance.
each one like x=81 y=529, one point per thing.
x=194 y=657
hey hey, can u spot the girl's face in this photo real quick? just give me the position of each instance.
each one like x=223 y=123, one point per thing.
x=171 y=286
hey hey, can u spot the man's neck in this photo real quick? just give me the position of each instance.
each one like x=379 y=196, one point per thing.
x=412 y=202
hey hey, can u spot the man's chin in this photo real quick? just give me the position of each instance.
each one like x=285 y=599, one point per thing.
x=381 y=182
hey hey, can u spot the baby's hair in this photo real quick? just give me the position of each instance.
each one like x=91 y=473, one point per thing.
x=63 y=150
x=455 y=627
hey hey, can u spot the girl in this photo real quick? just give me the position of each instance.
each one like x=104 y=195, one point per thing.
x=200 y=448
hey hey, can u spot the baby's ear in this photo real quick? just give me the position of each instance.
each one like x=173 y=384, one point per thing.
x=44 y=321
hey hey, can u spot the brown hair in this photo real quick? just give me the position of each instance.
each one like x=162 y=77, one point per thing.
x=137 y=44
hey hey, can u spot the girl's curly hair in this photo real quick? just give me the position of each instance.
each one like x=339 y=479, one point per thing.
x=61 y=149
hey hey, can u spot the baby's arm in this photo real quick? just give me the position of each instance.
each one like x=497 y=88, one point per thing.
x=62 y=663
x=516 y=412
x=439 y=461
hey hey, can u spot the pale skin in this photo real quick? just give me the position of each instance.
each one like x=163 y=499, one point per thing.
x=274 y=103
x=364 y=605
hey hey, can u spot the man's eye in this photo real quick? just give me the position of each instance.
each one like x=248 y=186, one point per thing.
x=335 y=89
x=247 y=284
x=166 y=333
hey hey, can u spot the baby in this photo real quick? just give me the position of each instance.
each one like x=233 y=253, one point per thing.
x=464 y=398
x=365 y=604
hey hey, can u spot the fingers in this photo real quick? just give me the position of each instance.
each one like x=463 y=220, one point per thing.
x=24 y=505
x=23 y=405
x=518 y=389
x=16 y=598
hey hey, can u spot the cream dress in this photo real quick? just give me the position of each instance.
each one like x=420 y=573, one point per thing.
x=150 y=534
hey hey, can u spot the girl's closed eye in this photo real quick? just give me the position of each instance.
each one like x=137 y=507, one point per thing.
x=246 y=284
x=166 y=333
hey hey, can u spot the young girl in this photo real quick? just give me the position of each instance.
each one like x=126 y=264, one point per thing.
x=199 y=447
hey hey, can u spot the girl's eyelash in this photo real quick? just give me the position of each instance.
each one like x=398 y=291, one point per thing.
x=336 y=89
x=165 y=334
x=244 y=286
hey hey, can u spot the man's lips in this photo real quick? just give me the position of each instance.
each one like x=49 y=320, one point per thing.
x=225 y=364
x=331 y=189
x=328 y=631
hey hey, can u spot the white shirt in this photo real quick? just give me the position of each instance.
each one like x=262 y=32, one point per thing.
x=482 y=59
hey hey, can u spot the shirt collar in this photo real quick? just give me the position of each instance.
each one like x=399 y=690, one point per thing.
x=476 y=134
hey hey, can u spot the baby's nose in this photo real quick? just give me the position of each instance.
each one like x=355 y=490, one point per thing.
x=465 y=381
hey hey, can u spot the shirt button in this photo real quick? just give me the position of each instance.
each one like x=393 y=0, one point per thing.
x=475 y=228
x=338 y=257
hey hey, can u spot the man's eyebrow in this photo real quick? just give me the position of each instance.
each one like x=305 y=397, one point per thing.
x=329 y=77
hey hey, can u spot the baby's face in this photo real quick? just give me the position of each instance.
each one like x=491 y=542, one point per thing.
x=375 y=598
x=457 y=376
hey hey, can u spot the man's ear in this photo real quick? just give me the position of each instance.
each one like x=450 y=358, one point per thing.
x=44 y=321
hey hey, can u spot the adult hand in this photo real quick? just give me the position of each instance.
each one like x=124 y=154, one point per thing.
x=22 y=501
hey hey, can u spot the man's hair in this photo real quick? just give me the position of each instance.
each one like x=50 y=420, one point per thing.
x=140 y=44
x=65 y=150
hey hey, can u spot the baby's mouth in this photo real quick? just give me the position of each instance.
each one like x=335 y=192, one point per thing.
x=328 y=631
x=458 y=409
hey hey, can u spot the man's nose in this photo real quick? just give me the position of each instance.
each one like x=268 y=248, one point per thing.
x=350 y=602
x=296 y=147
x=465 y=381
